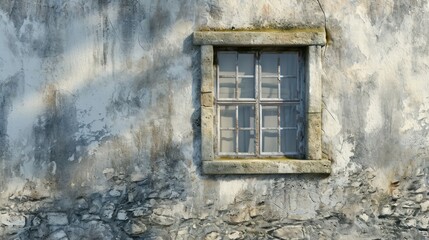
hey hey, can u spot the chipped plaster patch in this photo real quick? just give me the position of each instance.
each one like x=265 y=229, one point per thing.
x=374 y=119
x=229 y=189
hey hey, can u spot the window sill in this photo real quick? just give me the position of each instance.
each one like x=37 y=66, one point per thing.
x=269 y=166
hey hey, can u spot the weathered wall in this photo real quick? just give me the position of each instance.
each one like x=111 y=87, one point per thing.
x=99 y=123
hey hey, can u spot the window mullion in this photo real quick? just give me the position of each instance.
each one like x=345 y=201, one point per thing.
x=236 y=128
x=257 y=106
x=278 y=78
x=278 y=129
x=217 y=117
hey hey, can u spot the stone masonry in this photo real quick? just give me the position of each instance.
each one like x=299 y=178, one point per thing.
x=101 y=130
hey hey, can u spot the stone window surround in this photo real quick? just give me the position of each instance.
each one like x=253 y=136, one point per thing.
x=311 y=41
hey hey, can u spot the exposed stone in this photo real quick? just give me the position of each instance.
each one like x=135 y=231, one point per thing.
x=114 y=193
x=58 y=235
x=386 y=211
x=409 y=222
x=423 y=222
x=139 y=211
x=161 y=220
x=12 y=220
x=421 y=190
x=36 y=221
x=122 y=215
x=213 y=236
x=81 y=204
x=95 y=206
x=57 y=218
x=182 y=234
x=236 y=216
x=396 y=194
x=90 y=217
x=364 y=217
x=235 y=235
x=135 y=227
x=109 y=172
x=424 y=206
x=419 y=198
x=137 y=177
x=107 y=211
x=290 y=232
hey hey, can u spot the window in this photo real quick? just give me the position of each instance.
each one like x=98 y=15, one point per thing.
x=261 y=101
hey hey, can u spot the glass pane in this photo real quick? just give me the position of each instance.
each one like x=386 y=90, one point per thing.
x=246 y=116
x=226 y=87
x=288 y=116
x=246 y=64
x=289 y=63
x=227 y=62
x=227 y=141
x=246 y=87
x=288 y=88
x=269 y=63
x=288 y=140
x=269 y=116
x=269 y=141
x=270 y=87
x=227 y=116
x=246 y=141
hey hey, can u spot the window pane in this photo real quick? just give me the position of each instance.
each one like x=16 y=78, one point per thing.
x=269 y=116
x=246 y=116
x=227 y=116
x=288 y=140
x=270 y=141
x=288 y=88
x=246 y=87
x=270 y=87
x=269 y=62
x=226 y=87
x=288 y=116
x=227 y=62
x=246 y=64
x=289 y=63
x=227 y=141
x=246 y=141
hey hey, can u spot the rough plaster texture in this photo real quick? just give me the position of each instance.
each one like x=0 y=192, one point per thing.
x=100 y=129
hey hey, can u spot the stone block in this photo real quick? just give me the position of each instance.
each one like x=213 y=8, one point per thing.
x=289 y=37
x=314 y=80
x=207 y=99
x=314 y=136
x=290 y=232
x=58 y=235
x=122 y=215
x=135 y=227
x=207 y=73
x=266 y=166
x=161 y=220
x=207 y=137
x=57 y=218
x=424 y=206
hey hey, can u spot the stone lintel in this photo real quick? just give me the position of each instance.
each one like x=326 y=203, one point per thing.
x=292 y=37
x=266 y=166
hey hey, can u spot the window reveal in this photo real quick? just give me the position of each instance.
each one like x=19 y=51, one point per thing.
x=260 y=103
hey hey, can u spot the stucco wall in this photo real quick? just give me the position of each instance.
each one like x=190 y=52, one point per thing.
x=100 y=134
